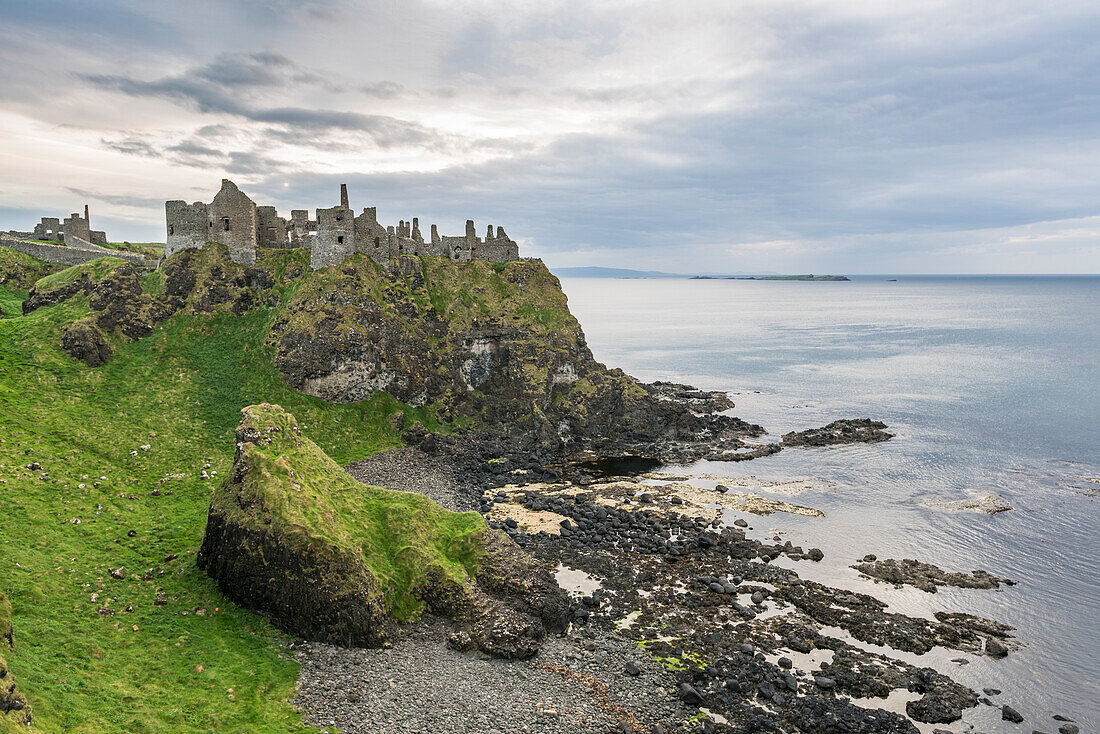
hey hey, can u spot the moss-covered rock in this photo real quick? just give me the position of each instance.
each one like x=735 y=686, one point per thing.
x=15 y=712
x=291 y=535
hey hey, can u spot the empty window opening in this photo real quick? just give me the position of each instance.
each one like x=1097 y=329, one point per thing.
x=340 y=239
x=377 y=242
x=171 y=230
x=225 y=223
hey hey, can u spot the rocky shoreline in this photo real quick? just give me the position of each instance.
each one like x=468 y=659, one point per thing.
x=671 y=595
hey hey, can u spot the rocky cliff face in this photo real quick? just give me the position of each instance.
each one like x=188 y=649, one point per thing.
x=494 y=344
x=291 y=535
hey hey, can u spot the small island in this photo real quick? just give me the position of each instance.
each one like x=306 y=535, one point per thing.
x=770 y=277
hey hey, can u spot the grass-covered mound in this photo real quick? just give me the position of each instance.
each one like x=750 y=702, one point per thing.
x=19 y=271
x=292 y=535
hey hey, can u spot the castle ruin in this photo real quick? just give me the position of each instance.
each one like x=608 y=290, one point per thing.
x=72 y=231
x=234 y=220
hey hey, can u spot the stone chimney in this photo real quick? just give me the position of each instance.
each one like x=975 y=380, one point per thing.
x=344 y=196
x=471 y=233
x=86 y=217
x=435 y=235
x=489 y=233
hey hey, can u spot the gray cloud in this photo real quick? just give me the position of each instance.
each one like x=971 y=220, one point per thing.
x=224 y=86
x=132 y=146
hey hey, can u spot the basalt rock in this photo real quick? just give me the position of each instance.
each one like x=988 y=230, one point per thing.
x=86 y=343
x=925 y=576
x=291 y=535
x=851 y=430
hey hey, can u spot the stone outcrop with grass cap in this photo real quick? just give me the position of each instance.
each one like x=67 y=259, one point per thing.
x=291 y=535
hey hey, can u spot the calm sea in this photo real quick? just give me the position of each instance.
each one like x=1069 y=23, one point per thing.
x=992 y=385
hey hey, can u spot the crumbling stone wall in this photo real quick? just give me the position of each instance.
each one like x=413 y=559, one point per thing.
x=335 y=237
x=371 y=237
x=271 y=229
x=233 y=215
x=67 y=255
x=75 y=227
x=49 y=229
x=303 y=230
x=188 y=226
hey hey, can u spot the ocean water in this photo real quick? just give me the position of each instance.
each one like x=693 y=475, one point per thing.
x=992 y=385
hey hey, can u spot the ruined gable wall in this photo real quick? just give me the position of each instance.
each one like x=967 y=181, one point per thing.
x=49 y=229
x=498 y=249
x=302 y=229
x=188 y=226
x=335 y=237
x=234 y=218
x=372 y=238
x=98 y=237
x=271 y=229
x=76 y=228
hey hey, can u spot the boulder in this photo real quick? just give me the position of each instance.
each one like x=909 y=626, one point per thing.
x=291 y=535
x=86 y=343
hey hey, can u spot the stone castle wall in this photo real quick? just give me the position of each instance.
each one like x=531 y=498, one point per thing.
x=335 y=237
x=188 y=226
x=67 y=255
x=234 y=223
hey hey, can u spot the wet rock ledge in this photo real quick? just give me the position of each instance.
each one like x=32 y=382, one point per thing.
x=291 y=535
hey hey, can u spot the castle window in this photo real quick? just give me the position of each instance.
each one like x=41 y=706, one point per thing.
x=340 y=239
x=377 y=242
x=171 y=230
x=225 y=223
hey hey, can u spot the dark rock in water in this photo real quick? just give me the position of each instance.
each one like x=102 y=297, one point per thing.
x=741 y=522
x=995 y=648
x=925 y=576
x=1010 y=714
x=307 y=570
x=84 y=342
x=852 y=430
x=943 y=699
x=689 y=695
x=815 y=554
x=700 y=401
x=1069 y=729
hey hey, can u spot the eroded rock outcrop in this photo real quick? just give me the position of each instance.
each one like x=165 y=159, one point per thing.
x=291 y=535
x=490 y=342
x=14 y=708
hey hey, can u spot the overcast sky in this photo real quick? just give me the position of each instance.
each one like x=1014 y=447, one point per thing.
x=781 y=135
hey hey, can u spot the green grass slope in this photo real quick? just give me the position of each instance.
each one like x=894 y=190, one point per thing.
x=122 y=450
